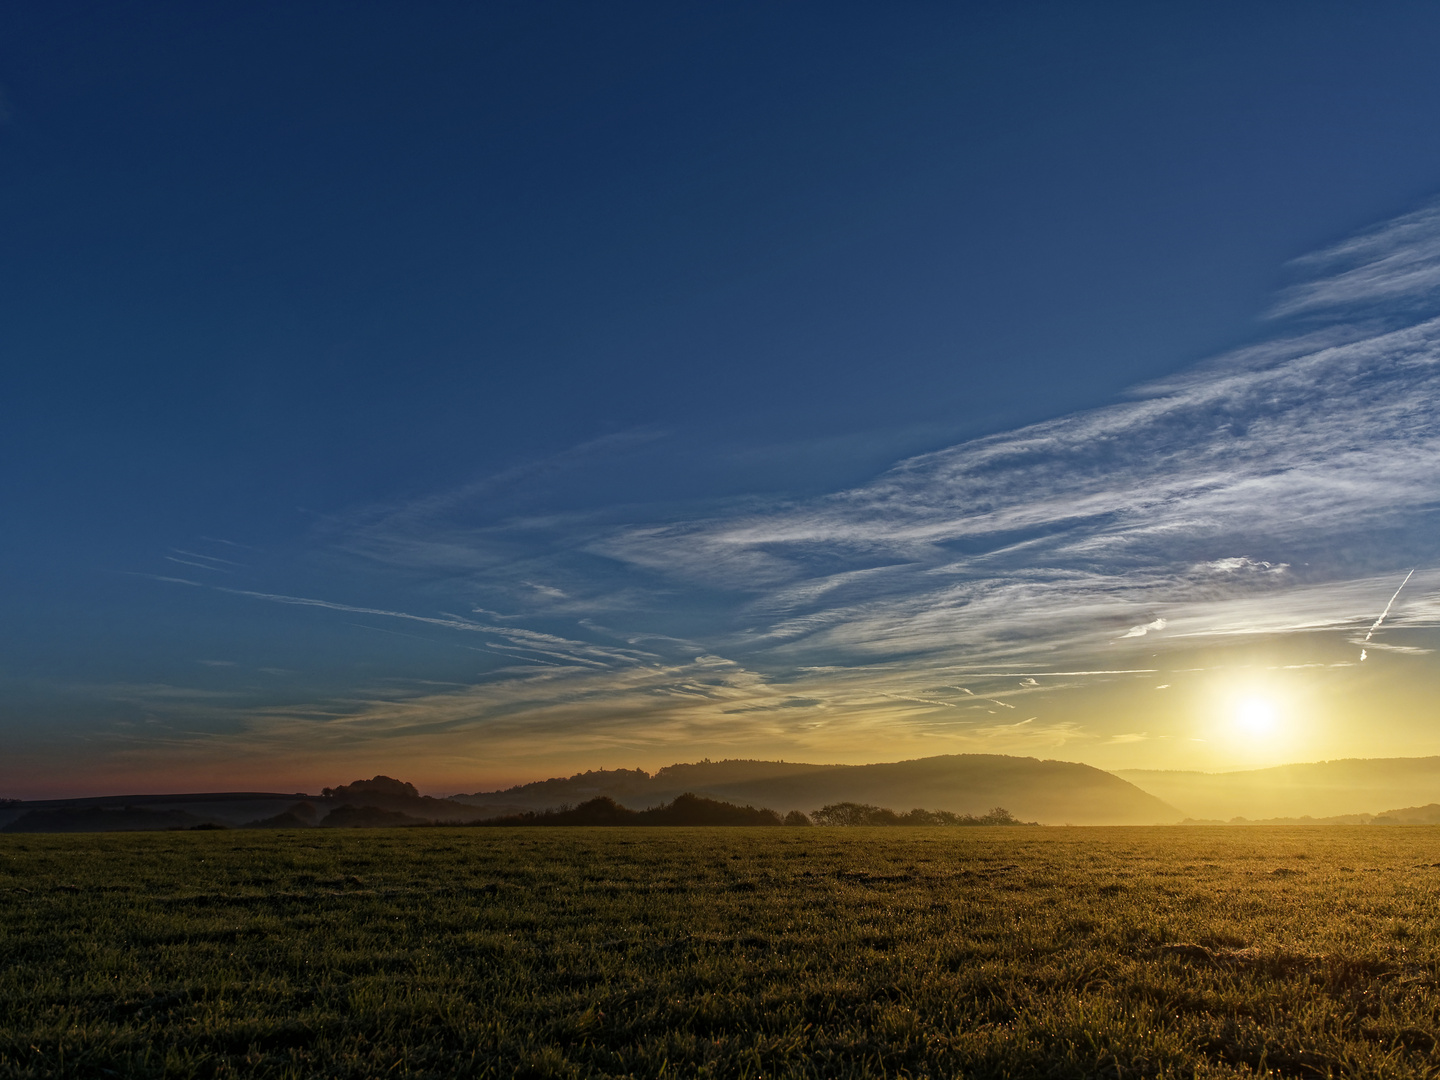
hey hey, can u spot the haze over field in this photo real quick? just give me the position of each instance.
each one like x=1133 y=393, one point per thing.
x=981 y=789
x=477 y=397
x=1316 y=789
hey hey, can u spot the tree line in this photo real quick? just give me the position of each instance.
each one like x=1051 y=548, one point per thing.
x=851 y=813
x=690 y=809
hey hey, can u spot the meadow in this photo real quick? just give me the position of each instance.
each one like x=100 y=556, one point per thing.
x=722 y=952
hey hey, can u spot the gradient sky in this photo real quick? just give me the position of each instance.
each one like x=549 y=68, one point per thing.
x=480 y=393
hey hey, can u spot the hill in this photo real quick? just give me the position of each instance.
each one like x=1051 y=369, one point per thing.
x=107 y=813
x=1406 y=815
x=1052 y=792
x=634 y=787
x=378 y=802
x=67 y=819
x=1318 y=789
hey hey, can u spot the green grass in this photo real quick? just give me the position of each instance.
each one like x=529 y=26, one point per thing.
x=722 y=952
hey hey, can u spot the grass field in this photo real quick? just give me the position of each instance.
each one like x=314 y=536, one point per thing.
x=722 y=952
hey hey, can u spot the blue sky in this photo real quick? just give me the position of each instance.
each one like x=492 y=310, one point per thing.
x=482 y=393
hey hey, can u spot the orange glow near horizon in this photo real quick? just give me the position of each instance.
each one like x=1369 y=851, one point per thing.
x=1212 y=708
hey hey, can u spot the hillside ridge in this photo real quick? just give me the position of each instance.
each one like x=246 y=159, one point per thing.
x=1053 y=792
x=1315 y=789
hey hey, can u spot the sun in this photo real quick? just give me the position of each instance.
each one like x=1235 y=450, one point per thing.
x=1258 y=727
x=1256 y=718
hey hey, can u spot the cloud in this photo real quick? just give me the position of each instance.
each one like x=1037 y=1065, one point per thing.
x=1276 y=491
x=1397 y=263
x=1144 y=628
x=788 y=703
x=1038 y=541
x=198 y=565
x=1241 y=565
x=208 y=559
x=1383 y=646
x=518 y=638
x=460 y=530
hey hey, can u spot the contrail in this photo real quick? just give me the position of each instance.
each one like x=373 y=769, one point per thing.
x=1376 y=624
x=1031 y=674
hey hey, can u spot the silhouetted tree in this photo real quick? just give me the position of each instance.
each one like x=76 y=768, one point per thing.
x=380 y=785
x=851 y=813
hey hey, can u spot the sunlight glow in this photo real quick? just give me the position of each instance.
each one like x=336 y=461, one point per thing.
x=1255 y=718
x=1256 y=726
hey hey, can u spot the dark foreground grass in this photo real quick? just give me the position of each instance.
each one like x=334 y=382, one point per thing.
x=722 y=952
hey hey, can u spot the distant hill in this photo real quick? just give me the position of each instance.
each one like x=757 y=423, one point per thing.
x=634 y=787
x=1052 y=792
x=1318 y=789
x=1351 y=791
x=1408 y=815
x=300 y=816
x=392 y=796
x=67 y=819
x=123 y=812
x=362 y=804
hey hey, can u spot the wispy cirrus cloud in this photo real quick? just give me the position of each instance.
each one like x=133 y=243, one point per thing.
x=1389 y=267
x=1273 y=476
x=573 y=651
x=1273 y=492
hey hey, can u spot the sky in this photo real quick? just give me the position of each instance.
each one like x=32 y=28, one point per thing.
x=481 y=393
